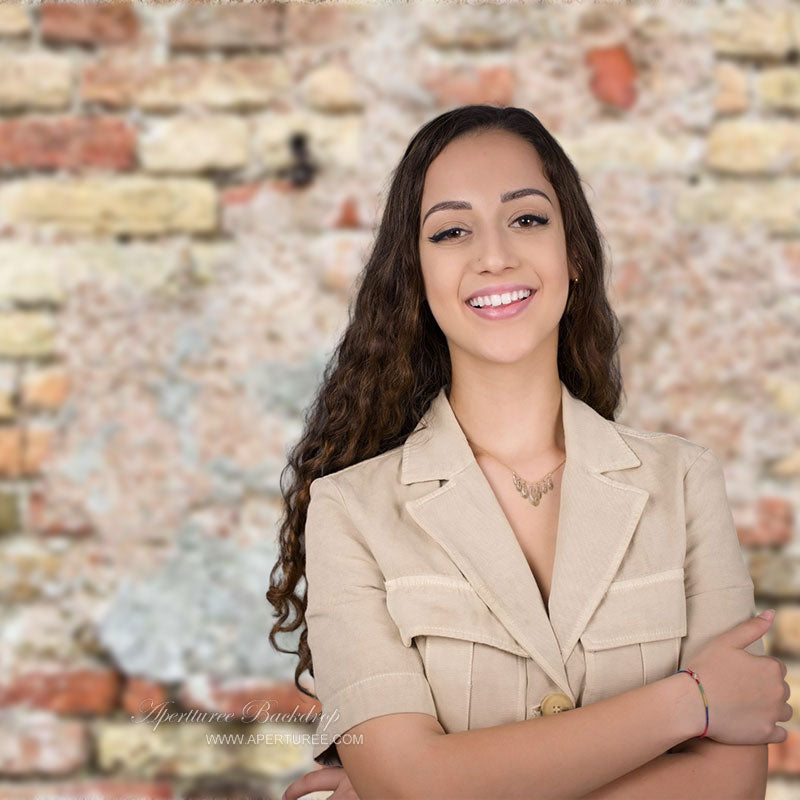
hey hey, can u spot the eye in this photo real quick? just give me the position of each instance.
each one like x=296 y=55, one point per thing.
x=539 y=219
x=444 y=235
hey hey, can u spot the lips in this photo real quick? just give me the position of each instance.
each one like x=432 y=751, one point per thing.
x=503 y=311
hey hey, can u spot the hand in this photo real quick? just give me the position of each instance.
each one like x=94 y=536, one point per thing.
x=322 y=780
x=747 y=694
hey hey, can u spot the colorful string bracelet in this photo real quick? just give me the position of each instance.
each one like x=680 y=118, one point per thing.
x=696 y=677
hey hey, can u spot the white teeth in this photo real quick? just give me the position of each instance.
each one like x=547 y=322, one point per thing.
x=499 y=299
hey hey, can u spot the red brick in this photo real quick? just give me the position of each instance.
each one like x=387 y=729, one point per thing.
x=10 y=452
x=613 y=75
x=246 y=698
x=83 y=789
x=88 y=23
x=45 y=389
x=93 y=691
x=67 y=143
x=137 y=691
x=240 y=194
x=54 y=518
x=784 y=757
x=775 y=520
x=470 y=85
x=348 y=214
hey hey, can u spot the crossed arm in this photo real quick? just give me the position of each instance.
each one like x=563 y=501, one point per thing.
x=698 y=768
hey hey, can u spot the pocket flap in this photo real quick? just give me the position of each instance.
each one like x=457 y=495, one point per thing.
x=640 y=609
x=438 y=605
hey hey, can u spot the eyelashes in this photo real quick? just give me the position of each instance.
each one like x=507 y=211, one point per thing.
x=540 y=219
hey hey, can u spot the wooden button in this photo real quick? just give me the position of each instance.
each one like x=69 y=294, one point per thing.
x=556 y=703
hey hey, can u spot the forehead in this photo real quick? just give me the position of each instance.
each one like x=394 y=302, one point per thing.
x=490 y=162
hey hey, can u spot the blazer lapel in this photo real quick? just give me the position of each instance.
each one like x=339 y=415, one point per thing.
x=597 y=518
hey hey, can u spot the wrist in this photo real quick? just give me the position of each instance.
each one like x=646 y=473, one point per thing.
x=684 y=697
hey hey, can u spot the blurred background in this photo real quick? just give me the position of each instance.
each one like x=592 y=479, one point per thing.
x=187 y=194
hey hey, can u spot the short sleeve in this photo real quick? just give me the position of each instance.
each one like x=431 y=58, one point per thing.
x=719 y=588
x=362 y=669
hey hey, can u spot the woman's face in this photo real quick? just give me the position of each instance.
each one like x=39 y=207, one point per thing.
x=492 y=244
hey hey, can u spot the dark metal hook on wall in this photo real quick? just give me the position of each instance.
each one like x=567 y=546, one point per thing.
x=301 y=171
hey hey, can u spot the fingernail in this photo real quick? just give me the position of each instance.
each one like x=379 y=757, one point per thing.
x=768 y=614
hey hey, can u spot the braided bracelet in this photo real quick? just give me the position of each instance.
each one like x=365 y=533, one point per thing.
x=694 y=675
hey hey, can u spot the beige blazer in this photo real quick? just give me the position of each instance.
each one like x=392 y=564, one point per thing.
x=421 y=599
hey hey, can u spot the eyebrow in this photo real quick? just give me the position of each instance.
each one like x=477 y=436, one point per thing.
x=460 y=205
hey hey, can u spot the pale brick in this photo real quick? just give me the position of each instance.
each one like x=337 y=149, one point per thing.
x=489 y=26
x=15 y=19
x=332 y=88
x=8 y=385
x=26 y=334
x=29 y=273
x=788 y=466
x=785 y=393
x=37 y=448
x=88 y=23
x=35 y=80
x=130 y=204
x=26 y=566
x=209 y=25
x=332 y=141
x=733 y=91
x=779 y=88
x=753 y=145
x=742 y=204
x=147 y=749
x=48 y=514
x=179 y=749
x=775 y=574
x=624 y=146
x=786 y=632
x=195 y=143
x=67 y=143
x=35 y=742
x=239 y=83
x=9 y=513
x=341 y=257
x=45 y=388
x=49 y=272
x=751 y=31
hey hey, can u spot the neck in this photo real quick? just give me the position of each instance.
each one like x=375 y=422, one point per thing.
x=519 y=424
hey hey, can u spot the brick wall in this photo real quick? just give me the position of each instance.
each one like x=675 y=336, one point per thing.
x=187 y=192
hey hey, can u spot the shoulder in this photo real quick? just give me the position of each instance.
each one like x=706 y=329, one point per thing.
x=659 y=448
x=374 y=474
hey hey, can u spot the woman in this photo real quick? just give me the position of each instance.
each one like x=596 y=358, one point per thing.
x=483 y=545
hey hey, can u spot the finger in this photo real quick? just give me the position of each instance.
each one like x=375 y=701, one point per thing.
x=320 y=780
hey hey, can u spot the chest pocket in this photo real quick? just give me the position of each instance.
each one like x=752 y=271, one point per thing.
x=634 y=636
x=475 y=668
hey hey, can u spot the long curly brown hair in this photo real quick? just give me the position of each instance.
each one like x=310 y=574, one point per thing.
x=392 y=359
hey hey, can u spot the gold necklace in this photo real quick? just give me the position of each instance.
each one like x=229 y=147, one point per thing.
x=530 y=491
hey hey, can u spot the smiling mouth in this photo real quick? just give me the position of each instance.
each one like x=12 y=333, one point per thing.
x=499 y=300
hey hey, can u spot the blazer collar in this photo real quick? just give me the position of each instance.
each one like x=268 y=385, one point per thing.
x=597 y=517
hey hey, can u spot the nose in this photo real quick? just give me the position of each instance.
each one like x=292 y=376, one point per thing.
x=494 y=252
